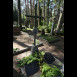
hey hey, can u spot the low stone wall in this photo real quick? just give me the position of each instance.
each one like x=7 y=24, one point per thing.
x=16 y=30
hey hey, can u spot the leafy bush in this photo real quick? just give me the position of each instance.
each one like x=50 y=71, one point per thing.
x=48 y=71
x=42 y=27
x=26 y=60
x=29 y=59
x=50 y=24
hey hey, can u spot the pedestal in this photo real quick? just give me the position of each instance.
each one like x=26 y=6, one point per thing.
x=34 y=49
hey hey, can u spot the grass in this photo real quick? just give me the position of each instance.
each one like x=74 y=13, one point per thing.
x=49 y=38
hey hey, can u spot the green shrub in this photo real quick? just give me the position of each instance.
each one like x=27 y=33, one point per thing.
x=29 y=59
x=50 y=24
x=42 y=27
x=49 y=27
x=48 y=71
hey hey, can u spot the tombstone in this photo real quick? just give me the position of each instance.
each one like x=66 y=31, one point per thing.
x=34 y=49
x=49 y=58
x=52 y=29
x=43 y=32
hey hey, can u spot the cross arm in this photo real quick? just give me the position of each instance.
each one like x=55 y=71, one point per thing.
x=34 y=16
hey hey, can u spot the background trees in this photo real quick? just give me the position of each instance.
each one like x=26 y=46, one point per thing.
x=49 y=9
x=15 y=12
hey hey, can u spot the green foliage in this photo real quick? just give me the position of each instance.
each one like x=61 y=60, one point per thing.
x=26 y=60
x=62 y=32
x=40 y=0
x=49 y=27
x=42 y=27
x=24 y=30
x=30 y=29
x=49 y=38
x=37 y=42
x=14 y=50
x=29 y=59
x=41 y=55
x=50 y=24
x=48 y=2
x=48 y=71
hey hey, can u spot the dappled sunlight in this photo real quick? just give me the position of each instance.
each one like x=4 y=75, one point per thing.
x=47 y=48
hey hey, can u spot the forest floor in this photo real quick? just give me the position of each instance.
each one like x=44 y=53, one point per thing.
x=25 y=40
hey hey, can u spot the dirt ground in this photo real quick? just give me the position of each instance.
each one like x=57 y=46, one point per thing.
x=57 y=49
x=25 y=40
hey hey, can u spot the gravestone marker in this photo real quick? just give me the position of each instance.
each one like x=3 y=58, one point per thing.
x=43 y=32
x=35 y=31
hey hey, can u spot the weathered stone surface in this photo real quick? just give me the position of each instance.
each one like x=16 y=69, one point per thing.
x=35 y=31
x=34 y=49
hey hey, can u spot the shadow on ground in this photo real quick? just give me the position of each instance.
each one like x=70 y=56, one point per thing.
x=20 y=43
x=29 y=32
x=15 y=73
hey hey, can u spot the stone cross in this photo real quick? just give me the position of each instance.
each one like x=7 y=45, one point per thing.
x=35 y=29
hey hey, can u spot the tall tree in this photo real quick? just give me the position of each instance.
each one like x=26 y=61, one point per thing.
x=31 y=6
x=27 y=7
x=19 y=15
x=39 y=13
x=44 y=12
x=60 y=22
x=47 y=12
x=31 y=13
x=15 y=12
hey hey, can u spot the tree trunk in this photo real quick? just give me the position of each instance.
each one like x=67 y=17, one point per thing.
x=25 y=7
x=60 y=22
x=44 y=13
x=31 y=13
x=52 y=29
x=19 y=15
x=39 y=14
x=48 y=15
